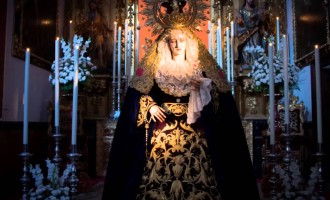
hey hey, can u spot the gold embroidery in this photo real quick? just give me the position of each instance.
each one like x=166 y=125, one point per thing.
x=145 y=104
x=178 y=166
x=178 y=109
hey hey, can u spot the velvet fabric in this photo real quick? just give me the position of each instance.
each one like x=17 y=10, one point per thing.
x=226 y=140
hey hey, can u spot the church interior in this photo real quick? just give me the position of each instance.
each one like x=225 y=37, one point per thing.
x=286 y=128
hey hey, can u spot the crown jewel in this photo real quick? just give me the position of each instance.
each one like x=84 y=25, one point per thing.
x=164 y=14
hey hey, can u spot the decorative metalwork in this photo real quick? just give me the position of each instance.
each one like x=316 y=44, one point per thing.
x=57 y=137
x=25 y=177
x=73 y=180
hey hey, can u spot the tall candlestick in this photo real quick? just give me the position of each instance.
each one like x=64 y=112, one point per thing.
x=26 y=96
x=228 y=53
x=75 y=97
x=277 y=35
x=209 y=37
x=271 y=95
x=318 y=95
x=57 y=84
x=286 y=82
x=114 y=52
x=119 y=64
x=137 y=44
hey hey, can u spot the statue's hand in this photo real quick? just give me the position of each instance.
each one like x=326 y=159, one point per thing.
x=157 y=112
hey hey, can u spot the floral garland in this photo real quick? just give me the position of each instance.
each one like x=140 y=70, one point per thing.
x=66 y=64
x=260 y=71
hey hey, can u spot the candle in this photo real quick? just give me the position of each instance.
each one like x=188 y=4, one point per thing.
x=119 y=65
x=114 y=52
x=126 y=42
x=277 y=35
x=318 y=95
x=57 y=84
x=75 y=97
x=209 y=37
x=219 y=46
x=271 y=95
x=71 y=31
x=228 y=53
x=129 y=59
x=137 y=44
x=232 y=46
x=26 y=96
x=286 y=82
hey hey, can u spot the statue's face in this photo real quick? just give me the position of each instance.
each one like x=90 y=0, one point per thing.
x=177 y=42
x=250 y=3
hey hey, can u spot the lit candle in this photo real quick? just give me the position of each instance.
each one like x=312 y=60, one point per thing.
x=57 y=84
x=232 y=46
x=137 y=44
x=271 y=95
x=209 y=37
x=75 y=97
x=114 y=52
x=286 y=82
x=129 y=59
x=26 y=96
x=126 y=42
x=71 y=31
x=219 y=39
x=277 y=35
x=318 y=94
x=119 y=64
x=228 y=53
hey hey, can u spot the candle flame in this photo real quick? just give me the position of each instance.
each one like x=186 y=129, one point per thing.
x=28 y=49
x=316 y=46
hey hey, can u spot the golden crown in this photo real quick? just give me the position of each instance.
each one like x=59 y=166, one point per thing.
x=165 y=14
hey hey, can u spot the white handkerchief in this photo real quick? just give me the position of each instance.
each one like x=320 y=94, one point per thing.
x=198 y=99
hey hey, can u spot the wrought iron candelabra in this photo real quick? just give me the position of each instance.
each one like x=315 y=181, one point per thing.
x=25 y=177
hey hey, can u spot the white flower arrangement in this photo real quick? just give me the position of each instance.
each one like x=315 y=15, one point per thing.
x=260 y=71
x=293 y=185
x=66 y=63
x=54 y=187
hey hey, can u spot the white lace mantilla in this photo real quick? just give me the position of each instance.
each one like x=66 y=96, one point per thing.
x=174 y=78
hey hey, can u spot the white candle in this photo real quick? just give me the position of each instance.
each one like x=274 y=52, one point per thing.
x=219 y=39
x=119 y=64
x=71 y=31
x=228 y=53
x=114 y=52
x=137 y=44
x=75 y=97
x=277 y=35
x=271 y=95
x=129 y=59
x=57 y=84
x=286 y=82
x=209 y=37
x=318 y=95
x=232 y=46
x=26 y=96
x=126 y=42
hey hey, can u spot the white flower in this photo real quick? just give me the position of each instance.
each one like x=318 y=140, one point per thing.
x=66 y=63
x=260 y=71
x=54 y=187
